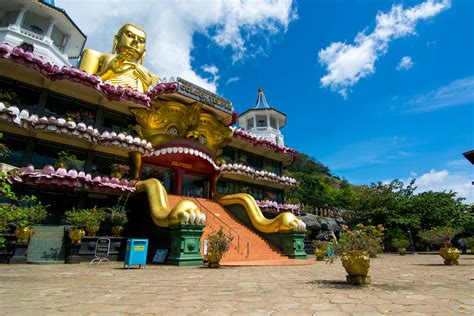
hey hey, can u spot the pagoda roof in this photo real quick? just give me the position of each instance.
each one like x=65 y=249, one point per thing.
x=261 y=105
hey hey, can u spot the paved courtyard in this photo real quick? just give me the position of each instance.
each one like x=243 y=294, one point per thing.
x=409 y=285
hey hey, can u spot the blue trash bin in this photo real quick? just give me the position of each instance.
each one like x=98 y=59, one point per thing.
x=136 y=252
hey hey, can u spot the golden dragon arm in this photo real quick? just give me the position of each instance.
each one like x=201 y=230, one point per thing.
x=183 y=212
x=283 y=222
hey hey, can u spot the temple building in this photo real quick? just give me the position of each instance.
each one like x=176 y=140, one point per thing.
x=188 y=168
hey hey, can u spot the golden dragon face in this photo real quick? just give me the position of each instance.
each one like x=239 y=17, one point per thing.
x=182 y=125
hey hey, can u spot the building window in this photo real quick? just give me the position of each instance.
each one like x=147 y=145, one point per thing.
x=62 y=106
x=58 y=38
x=24 y=96
x=9 y=18
x=46 y=153
x=117 y=122
x=195 y=185
x=261 y=121
x=35 y=23
x=229 y=154
x=273 y=122
x=250 y=123
x=165 y=175
x=17 y=146
x=101 y=163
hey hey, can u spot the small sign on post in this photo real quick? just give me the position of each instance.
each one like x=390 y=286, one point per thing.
x=102 y=248
x=160 y=256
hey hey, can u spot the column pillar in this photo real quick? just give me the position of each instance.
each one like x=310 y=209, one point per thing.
x=20 y=17
x=49 y=31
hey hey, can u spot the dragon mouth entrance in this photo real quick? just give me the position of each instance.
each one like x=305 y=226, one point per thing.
x=184 y=154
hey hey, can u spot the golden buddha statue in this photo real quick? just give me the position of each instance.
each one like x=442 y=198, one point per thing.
x=124 y=66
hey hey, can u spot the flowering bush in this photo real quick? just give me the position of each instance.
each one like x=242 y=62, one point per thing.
x=80 y=116
x=218 y=243
x=68 y=159
x=119 y=167
x=118 y=212
x=363 y=238
x=440 y=236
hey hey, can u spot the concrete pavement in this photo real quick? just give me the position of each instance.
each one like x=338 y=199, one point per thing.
x=401 y=285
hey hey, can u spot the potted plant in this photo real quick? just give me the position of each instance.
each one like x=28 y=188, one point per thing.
x=85 y=117
x=354 y=247
x=118 y=215
x=401 y=244
x=218 y=244
x=442 y=236
x=84 y=219
x=66 y=160
x=21 y=217
x=7 y=196
x=8 y=97
x=320 y=249
x=118 y=170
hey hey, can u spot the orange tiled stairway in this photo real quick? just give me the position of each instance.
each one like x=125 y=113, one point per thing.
x=247 y=248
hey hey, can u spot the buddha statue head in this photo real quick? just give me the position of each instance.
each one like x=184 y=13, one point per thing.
x=131 y=38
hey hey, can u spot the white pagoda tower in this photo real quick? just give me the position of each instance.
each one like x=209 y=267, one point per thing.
x=263 y=120
x=41 y=26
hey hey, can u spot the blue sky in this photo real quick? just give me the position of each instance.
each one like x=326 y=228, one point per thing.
x=370 y=99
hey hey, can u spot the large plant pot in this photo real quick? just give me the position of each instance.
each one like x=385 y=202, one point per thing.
x=60 y=164
x=76 y=235
x=320 y=254
x=450 y=255
x=213 y=260
x=92 y=230
x=402 y=251
x=117 y=174
x=357 y=264
x=23 y=234
x=117 y=230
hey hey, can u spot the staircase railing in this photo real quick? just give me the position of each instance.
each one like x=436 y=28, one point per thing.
x=240 y=239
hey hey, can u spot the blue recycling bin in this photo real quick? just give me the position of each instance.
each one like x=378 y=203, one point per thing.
x=136 y=252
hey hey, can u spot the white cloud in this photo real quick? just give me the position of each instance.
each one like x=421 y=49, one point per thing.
x=459 y=163
x=443 y=180
x=405 y=63
x=213 y=71
x=346 y=64
x=171 y=25
x=232 y=80
x=458 y=92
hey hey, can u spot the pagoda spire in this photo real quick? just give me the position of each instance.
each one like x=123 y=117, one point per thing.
x=261 y=101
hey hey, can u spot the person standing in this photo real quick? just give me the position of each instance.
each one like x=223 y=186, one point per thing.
x=462 y=245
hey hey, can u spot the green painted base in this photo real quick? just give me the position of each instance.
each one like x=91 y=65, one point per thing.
x=185 y=245
x=292 y=244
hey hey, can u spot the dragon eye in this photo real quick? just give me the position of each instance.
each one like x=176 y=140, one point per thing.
x=172 y=131
x=202 y=139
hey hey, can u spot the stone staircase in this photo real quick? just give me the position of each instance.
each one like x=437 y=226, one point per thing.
x=247 y=244
x=247 y=247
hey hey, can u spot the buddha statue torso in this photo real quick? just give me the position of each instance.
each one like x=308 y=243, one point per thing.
x=122 y=66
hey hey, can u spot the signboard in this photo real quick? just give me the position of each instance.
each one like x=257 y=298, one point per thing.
x=199 y=94
x=102 y=249
x=160 y=256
